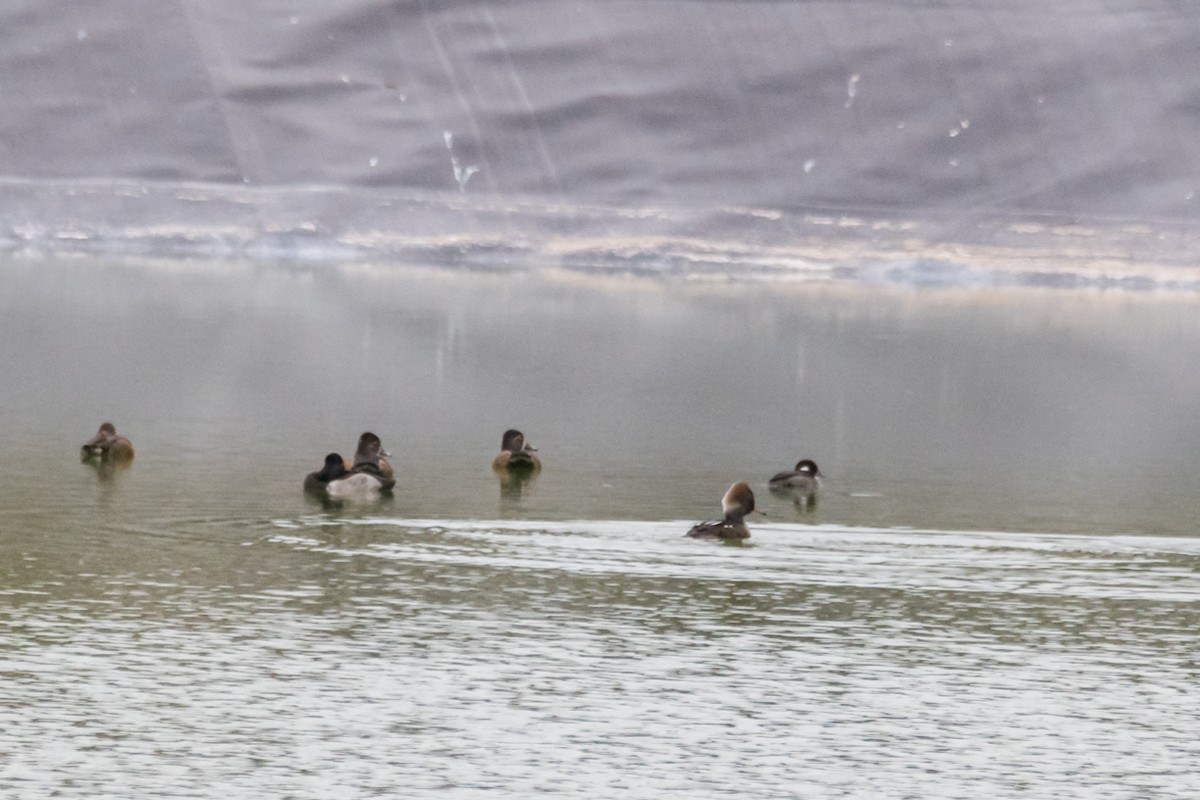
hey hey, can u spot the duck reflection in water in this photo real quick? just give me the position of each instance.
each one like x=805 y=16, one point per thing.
x=516 y=465
x=802 y=484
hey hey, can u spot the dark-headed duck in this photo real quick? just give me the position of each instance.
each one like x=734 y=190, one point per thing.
x=802 y=483
x=334 y=482
x=318 y=482
x=516 y=455
x=737 y=503
x=107 y=446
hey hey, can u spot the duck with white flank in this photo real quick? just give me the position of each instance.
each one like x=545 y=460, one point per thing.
x=801 y=484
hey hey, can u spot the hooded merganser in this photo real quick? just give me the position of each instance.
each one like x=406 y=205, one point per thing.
x=516 y=454
x=737 y=503
x=107 y=446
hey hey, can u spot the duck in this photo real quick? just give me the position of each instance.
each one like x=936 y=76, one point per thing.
x=370 y=458
x=318 y=482
x=802 y=483
x=334 y=482
x=737 y=503
x=107 y=446
x=517 y=456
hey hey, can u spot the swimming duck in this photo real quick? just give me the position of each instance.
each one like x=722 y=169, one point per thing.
x=107 y=446
x=370 y=458
x=802 y=483
x=333 y=481
x=318 y=482
x=516 y=455
x=737 y=503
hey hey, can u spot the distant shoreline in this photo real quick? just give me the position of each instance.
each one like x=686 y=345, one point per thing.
x=335 y=225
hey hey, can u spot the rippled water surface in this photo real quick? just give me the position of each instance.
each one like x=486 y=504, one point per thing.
x=998 y=595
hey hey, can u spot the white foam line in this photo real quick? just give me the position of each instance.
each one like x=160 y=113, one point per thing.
x=1030 y=540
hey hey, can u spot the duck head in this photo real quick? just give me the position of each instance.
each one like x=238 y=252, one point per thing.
x=334 y=468
x=370 y=448
x=107 y=431
x=514 y=442
x=738 y=502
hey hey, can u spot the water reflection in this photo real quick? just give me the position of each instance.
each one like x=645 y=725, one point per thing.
x=513 y=486
x=196 y=624
x=104 y=469
x=1006 y=408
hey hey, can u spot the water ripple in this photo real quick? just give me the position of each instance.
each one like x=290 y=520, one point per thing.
x=323 y=657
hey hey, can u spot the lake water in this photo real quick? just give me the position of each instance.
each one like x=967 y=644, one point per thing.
x=997 y=596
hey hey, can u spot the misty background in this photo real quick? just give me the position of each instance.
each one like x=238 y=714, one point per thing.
x=363 y=126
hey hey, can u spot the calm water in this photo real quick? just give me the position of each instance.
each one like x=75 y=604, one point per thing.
x=998 y=595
